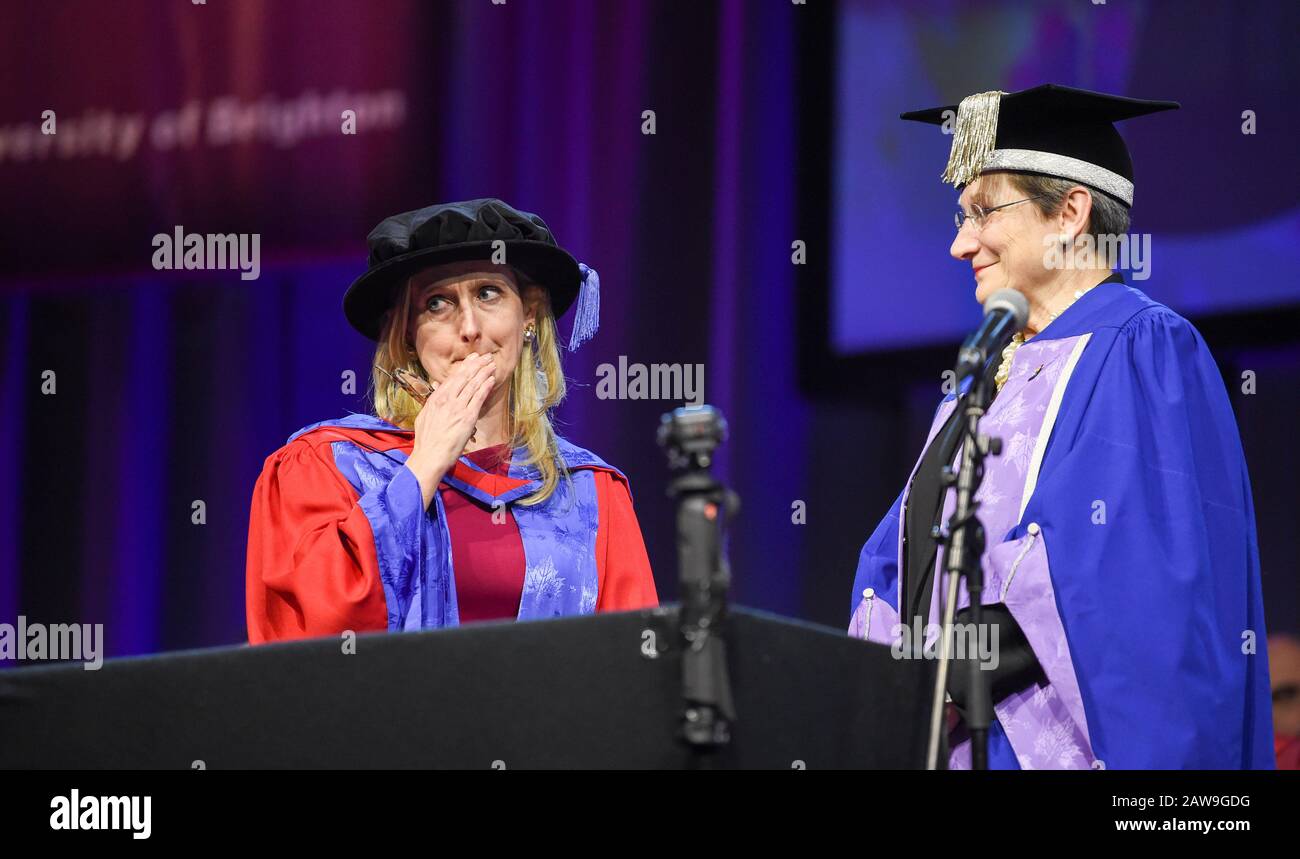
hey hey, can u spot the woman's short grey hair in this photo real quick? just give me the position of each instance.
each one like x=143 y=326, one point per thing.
x=1109 y=216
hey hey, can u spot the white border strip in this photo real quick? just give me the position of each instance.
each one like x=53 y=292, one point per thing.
x=1063 y=166
x=1049 y=421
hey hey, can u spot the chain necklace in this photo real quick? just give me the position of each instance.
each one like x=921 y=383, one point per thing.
x=1017 y=339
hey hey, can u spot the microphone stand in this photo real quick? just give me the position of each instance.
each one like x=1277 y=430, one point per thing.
x=690 y=436
x=964 y=547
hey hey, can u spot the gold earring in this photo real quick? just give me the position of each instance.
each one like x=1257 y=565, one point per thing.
x=530 y=331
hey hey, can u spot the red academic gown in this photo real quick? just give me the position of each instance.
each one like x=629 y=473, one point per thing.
x=312 y=566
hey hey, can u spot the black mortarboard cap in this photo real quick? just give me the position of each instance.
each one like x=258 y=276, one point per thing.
x=451 y=232
x=1050 y=129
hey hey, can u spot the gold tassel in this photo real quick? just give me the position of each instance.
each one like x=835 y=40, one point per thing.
x=973 y=138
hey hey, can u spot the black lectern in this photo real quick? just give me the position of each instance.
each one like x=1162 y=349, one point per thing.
x=590 y=692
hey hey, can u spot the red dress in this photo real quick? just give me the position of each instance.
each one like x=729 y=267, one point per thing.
x=487 y=556
x=1287 y=750
x=312 y=566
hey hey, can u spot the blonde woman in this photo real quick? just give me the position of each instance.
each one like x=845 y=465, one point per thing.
x=456 y=501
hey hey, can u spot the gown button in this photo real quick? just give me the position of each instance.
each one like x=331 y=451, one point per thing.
x=868 y=593
x=1033 y=528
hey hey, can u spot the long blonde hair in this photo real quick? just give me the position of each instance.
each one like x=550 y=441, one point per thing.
x=536 y=387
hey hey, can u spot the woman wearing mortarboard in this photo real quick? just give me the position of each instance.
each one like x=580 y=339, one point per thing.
x=1120 y=567
x=456 y=501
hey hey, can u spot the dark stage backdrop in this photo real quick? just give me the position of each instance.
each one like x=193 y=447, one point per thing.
x=905 y=55
x=171 y=387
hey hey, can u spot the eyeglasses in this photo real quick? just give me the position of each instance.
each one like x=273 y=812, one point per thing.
x=979 y=214
x=418 y=388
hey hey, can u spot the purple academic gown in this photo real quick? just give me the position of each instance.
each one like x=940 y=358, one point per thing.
x=1121 y=537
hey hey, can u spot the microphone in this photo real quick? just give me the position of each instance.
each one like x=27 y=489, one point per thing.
x=1005 y=312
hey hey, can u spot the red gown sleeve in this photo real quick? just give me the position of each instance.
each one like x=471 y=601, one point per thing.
x=312 y=566
x=625 y=580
